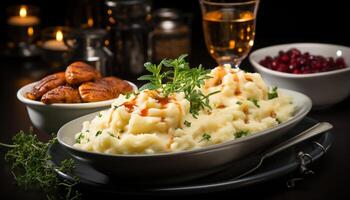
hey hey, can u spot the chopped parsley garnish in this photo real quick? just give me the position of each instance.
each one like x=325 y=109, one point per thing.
x=239 y=102
x=78 y=140
x=111 y=134
x=98 y=133
x=278 y=120
x=99 y=115
x=273 y=93
x=115 y=107
x=206 y=137
x=241 y=133
x=128 y=95
x=179 y=77
x=255 y=102
x=187 y=123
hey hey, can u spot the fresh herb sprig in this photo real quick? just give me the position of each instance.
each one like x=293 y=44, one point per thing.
x=30 y=166
x=179 y=77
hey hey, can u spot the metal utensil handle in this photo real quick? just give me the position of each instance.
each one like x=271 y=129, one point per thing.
x=311 y=132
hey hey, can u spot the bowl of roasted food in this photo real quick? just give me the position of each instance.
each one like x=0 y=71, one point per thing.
x=321 y=71
x=185 y=123
x=63 y=96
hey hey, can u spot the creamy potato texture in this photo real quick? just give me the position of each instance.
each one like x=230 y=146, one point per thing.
x=147 y=123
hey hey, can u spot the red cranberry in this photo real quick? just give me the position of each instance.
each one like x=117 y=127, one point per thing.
x=306 y=55
x=340 y=62
x=316 y=65
x=296 y=71
x=293 y=52
x=285 y=58
x=282 y=67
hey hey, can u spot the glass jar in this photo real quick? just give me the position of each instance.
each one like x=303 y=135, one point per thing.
x=88 y=45
x=171 y=34
x=130 y=36
x=85 y=14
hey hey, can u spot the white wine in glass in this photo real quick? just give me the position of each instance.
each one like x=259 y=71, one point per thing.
x=229 y=30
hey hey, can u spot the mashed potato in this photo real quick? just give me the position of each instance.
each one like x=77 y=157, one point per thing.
x=147 y=123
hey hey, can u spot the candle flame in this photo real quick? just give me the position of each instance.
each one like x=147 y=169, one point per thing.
x=23 y=11
x=30 y=31
x=90 y=22
x=106 y=42
x=59 y=35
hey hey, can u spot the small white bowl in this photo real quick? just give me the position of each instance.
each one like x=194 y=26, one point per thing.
x=50 y=118
x=324 y=88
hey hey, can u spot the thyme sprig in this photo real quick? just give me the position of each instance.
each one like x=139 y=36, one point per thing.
x=30 y=166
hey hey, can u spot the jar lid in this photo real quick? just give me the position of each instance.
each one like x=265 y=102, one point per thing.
x=130 y=9
x=90 y=33
x=167 y=14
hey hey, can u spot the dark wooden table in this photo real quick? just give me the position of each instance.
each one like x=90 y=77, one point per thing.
x=332 y=172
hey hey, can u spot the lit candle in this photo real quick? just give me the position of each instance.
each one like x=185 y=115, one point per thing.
x=57 y=44
x=23 y=19
x=90 y=22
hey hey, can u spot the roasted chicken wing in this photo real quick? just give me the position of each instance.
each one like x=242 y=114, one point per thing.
x=119 y=86
x=103 y=89
x=61 y=94
x=79 y=72
x=46 y=84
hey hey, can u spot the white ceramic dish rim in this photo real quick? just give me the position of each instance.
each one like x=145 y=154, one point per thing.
x=289 y=75
x=21 y=96
x=301 y=114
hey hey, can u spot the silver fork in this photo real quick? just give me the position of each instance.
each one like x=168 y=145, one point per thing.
x=317 y=129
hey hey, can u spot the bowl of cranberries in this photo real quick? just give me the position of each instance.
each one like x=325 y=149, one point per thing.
x=320 y=71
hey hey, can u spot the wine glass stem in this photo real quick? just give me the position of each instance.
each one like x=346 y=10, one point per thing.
x=234 y=63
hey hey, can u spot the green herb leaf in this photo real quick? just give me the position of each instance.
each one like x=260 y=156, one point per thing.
x=255 y=102
x=149 y=86
x=187 y=123
x=206 y=137
x=278 y=120
x=128 y=95
x=147 y=77
x=239 y=102
x=273 y=93
x=99 y=115
x=241 y=133
x=98 y=133
x=111 y=134
x=79 y=138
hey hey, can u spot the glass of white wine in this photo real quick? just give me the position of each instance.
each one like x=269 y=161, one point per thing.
x=229 y=29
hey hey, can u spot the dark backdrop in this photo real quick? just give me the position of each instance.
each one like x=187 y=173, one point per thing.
x=279 y=21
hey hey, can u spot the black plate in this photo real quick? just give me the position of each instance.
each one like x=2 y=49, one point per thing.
x=280 y=164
